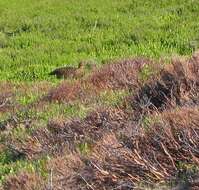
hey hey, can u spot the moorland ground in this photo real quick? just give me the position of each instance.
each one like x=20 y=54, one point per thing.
x=38 y=36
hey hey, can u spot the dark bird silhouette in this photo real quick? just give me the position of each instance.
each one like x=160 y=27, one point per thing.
x=68 y=72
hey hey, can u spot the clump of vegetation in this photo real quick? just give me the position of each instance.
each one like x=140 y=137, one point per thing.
x=119 y=75
x=66 y=92
x=174 y=85
x=23 y=181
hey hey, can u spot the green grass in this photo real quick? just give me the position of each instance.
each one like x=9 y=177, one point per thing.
x=112 y=97
x=37 y=36
x=8 y=166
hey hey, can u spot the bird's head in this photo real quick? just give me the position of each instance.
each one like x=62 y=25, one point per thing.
x=80 y=65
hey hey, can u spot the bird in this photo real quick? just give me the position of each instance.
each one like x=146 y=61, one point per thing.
x=69 y=72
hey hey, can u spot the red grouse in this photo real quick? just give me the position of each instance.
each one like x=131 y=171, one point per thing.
x=68 y=72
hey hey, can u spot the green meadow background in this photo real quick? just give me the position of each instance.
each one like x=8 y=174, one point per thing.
x=37 y=36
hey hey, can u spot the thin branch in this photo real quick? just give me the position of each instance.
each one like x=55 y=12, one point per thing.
x=86 y=182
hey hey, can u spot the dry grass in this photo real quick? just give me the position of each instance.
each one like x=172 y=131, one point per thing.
x=15 y=97
x=117 y=75
x=117 y=148
x=6 y=97
x=175 y=85
x=23 y=181
x=63 y=170
x=60 y=137
x=66 y=91
x=149 y=156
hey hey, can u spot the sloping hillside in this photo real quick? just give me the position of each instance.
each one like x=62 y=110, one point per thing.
x=147 y=139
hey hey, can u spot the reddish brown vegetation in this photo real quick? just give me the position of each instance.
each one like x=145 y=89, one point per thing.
x=28 y=147
x=6 y=96
x=10 y=95
x=64 y=137
x=150 y=155
x=119 y=75
x=5 y=102
x=70 y=91
x=126 y=150
x=23 y=181
x=64 y=169
x=175 y=85
x=66 y=92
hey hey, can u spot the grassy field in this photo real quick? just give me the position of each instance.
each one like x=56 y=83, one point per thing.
x=37 y=36
x=36 y=109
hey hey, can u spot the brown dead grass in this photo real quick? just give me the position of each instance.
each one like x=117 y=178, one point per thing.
x=160 y=143
x=6 y=97
x=23 y=181
x=117 y=75
x=151 y=155
x=64 y=169
x=60 y=137
x=5 y=102
x=23 y=147
x=11 y=94
x=66 y=91
x=175 y=85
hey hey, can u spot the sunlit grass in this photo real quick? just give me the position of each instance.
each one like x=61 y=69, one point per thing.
x=38 y=38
